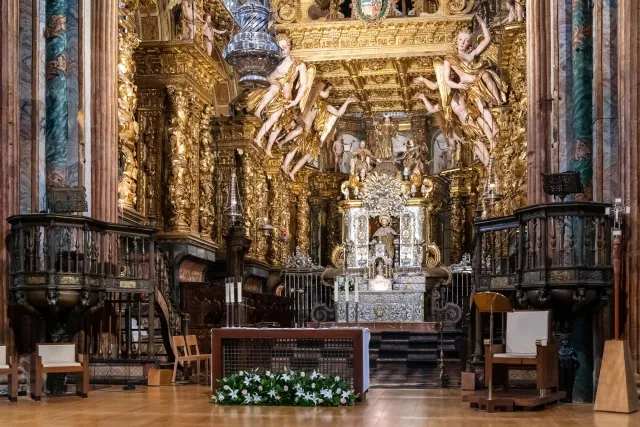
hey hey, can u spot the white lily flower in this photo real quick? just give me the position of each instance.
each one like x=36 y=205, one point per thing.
x=327 y=394
x=314 y=375
x=346 y=394
x=220 y=397
x=247 y=399
x=256 y=398
x=256 y=378
x=286 y=378
x=247 y=381
x=272 y=393
x=233 y=394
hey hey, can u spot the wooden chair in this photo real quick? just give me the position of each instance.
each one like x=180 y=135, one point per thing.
x=181 y=352
x=59 y=358
x=9 y=367
x=194 y=351
x=528 y=343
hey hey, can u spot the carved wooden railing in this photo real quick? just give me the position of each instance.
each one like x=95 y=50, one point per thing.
x=554 y=255
x=109 y=280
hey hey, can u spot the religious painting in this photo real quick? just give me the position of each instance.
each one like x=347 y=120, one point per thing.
x=371 y=11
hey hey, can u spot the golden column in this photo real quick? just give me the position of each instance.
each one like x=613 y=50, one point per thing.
x=127 y=102
x=104 y=110
x=301 y=191
x=10 y=139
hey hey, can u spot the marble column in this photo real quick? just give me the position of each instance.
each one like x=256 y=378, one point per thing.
x=582 y=66
x=538 y=95
x=9 y=140
x=104 y=110
x=629 y=131
x=57 y=94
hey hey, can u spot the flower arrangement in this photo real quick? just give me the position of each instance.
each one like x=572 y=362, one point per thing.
x=351 y=282
x=287 y=389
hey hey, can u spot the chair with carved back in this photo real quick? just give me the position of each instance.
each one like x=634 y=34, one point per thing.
x=55 y=359
x=9 y=367
x=194 y=351
x=529 y=342
x=182 y=357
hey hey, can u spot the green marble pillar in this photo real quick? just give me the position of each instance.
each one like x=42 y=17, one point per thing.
x=582 y=115
x=582 y=106
x=57 y=94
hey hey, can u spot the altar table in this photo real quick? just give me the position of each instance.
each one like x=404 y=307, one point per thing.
x=340 y=352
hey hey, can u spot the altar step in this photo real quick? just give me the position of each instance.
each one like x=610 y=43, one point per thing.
x=412 y=358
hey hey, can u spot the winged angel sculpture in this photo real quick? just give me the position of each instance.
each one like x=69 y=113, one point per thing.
x=296 y=110
x=468 y=87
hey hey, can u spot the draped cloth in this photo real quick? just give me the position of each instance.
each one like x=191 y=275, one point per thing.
x=479 y=90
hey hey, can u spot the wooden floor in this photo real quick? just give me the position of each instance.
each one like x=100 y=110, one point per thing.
x=189 y=406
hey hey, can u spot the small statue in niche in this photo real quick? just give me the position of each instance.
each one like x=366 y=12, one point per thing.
x=361 y=159
x=188 y=17
x=209 y=33
x=338 y=151
x=416 y=158
x=515 y=10
x=384 y=138
x=386 y=235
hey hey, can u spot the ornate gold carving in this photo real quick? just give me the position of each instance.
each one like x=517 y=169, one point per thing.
x=337 y=256
x=510 y=153
x=180 y=185
x=321 y=41
x=206 y=172
x=285 y=11
x=178 y=62
x=127 y=104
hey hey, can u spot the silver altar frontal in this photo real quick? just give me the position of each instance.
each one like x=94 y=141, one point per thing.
x=389 y=258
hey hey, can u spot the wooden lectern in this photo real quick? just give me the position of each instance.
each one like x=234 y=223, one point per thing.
x=491 y=302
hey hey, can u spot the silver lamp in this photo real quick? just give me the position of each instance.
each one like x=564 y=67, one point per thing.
x=252 y=52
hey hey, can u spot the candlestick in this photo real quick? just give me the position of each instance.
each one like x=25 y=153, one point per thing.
x=346 y=292
x=231 y=293
x=356 y=299
x=226 y=292
x=239 y=285
x=335 y=291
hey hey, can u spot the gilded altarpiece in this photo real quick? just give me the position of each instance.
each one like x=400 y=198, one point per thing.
x=326 y=219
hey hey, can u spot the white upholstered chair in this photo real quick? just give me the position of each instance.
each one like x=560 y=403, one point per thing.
x=528 y=342
x=9 y=367
x=59 y=358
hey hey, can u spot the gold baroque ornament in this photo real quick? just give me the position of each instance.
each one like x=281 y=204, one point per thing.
x=372 y=12
x=383 y=195
x=286 y=11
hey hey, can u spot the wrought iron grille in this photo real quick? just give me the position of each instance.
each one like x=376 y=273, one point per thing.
x=330 y=357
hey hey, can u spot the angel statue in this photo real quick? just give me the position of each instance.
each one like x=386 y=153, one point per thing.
x=415 y=160
x=275 y=102
x=478 y=84
x=317 y=124
x=384 y=136
x=209 y=32
x=454 y=118
x=361 y=159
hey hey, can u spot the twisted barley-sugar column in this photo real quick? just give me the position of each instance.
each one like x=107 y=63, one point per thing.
x=538 y=113
x=104 y=110
x=9 y=140
x=629 y=131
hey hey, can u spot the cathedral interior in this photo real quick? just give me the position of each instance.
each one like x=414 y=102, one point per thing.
x=431 y=201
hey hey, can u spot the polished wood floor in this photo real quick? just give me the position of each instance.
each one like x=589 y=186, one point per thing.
x=189 y=406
